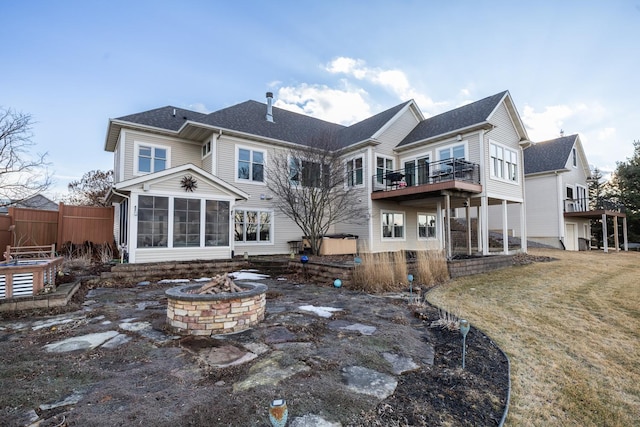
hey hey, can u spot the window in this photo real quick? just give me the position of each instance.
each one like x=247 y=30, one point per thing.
x=186 y=222
x=574 y=156
x=453 y=152
x=151 y=159
x=206 y=148
x=355 y=172
x=392 y=225
x=384 y=165
x=426 y=226
x=252 y=226
x=306 y=173
x=153 y=217
x=504 y=163
x=216 y=226
x=250 y=165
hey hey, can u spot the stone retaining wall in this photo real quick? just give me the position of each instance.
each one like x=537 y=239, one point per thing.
x=212 y=314
x=470 y=266
x=154 y=272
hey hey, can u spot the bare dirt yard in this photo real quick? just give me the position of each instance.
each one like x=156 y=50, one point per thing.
x=374 y=360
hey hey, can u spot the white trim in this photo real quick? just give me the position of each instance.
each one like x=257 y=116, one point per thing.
x=505 y=170
x=136 y=157
x=232 y=226
x=346 y=170
x=375 y=167
x=239 y=147
x=450 y=146
x=404 y=226
x=435 y=217
x=122 y=148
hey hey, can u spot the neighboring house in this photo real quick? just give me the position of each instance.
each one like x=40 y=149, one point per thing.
x=34 y=202
x=558 y=209
x=189 y=185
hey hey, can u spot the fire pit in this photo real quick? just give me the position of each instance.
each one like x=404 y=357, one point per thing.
x=192 y=313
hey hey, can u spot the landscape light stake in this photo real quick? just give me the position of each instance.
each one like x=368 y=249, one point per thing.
x=304 y=260
x=410 y=278
x=278 y=413
x=464 y=329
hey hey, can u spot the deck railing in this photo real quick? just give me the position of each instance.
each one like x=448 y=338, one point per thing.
x=584 y=204
x=427 y=173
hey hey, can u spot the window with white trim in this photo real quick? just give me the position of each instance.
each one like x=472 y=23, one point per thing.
x=252 y=226
x=153 y=221
x=384 y=165
x=392 y=225
x=186 y=222
x=250 y=165
x=504 y=163
x=355 y=172
x=452 y=152
x=216 y=223
x=426 y=226
x=574 y=156
x=206 y=148
x=307 y=173
x=151 y=158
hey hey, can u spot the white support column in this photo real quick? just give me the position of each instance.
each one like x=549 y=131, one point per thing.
x=505 y=228
x=447 y=203
x=624 y=233
x=605 y=233
x=616 y=239
x=468 y=214
x=485 y=225
x=523 y=228
x=479 y=228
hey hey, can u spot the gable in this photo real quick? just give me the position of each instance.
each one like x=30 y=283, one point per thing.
x=548 y=156
x=172 y=181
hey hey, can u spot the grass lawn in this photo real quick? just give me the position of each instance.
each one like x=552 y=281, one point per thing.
x=571 y=329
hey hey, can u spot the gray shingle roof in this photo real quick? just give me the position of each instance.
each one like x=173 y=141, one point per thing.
x=462 y=117
x=547 y=156
x=249 y=117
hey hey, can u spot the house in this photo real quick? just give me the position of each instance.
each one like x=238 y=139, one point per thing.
x=189 y=185
x=558 y=208
x=37 y=201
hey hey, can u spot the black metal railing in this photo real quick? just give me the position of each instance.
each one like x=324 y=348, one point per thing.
x=584 y=204
x=427 y=173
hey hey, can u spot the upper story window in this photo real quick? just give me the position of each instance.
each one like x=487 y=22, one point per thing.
x=384 y=165
x=426 y=226
x=574 y=157
x=306 y=173
x=355 y=172
x=452 y=152
x=250 y=165
x=393 y=225
x=504 y=163
x=152 y=158
x=206 y=148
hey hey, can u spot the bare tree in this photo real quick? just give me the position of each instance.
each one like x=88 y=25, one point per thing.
x=22 y=173
x=91 y=189
x=308 y=184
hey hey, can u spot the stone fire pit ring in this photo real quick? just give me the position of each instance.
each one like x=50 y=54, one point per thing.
x=213 y=314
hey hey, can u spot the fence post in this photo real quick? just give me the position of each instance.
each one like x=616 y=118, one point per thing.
x=60 y=222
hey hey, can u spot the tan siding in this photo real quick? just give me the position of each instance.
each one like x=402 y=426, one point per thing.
x=542 y=207
x=504 y=134
x=181 y=254
x=182 y=152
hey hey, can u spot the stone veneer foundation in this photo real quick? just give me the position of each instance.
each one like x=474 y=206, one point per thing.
x=212 y=314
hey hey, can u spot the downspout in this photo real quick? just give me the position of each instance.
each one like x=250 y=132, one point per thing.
x=523 y=208
x=560 y=209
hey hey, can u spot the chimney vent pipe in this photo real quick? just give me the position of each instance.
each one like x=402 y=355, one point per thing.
x=269 y=107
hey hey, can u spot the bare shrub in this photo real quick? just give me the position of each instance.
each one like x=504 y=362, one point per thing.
x=381 y=272
x=447 y=320
x=105 y=253
x=431 y=267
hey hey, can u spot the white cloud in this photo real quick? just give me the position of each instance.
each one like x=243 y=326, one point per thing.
x=199 y=107
x=394 y=80
x=344 y=106
x=606 y=134
x=547 y=124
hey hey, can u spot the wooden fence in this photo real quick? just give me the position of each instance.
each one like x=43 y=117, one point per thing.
x=75 y=224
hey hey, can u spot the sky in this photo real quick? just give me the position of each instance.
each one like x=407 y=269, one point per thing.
x=569 y=65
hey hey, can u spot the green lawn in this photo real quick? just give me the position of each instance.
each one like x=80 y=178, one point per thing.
x=571 y=329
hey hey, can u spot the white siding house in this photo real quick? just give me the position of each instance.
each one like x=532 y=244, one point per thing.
x=194 y=186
